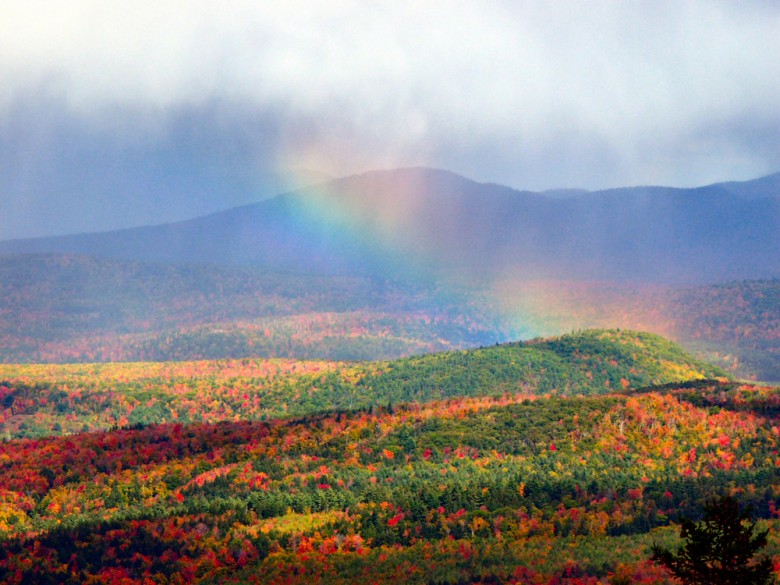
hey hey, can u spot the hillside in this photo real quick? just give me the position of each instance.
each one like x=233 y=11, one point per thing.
x=414 y=223
x=735 y=325
x=513 y=489
x=80 y=309
x=552 y=461
x=38 y=400
x=57 y=308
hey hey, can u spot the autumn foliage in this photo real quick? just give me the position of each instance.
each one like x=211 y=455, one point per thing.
x=456 y=489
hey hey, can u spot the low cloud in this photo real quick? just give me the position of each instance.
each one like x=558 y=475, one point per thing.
x=535 y=95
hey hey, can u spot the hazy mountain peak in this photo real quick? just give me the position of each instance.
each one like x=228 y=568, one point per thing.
x=768 y=186
x=422 y=221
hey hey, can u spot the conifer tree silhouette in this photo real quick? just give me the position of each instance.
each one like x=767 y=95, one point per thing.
x=719 y=550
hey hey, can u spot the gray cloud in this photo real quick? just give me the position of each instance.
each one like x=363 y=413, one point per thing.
x=116 y=105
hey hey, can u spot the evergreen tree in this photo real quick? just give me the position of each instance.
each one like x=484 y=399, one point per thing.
x=719 y=550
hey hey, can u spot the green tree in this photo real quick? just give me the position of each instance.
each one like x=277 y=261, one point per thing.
x=719 y=550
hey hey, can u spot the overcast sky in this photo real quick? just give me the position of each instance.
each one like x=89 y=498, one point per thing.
x=118 y=113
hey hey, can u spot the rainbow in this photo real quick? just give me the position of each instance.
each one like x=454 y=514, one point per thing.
x=387 y=229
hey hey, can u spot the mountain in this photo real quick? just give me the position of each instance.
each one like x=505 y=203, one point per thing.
x=421 y=223
x=764 y=187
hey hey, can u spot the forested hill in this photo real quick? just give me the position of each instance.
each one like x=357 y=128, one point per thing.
x=414 y=222
x=586 y=362
x=61 y=308
x=38 y=400
x=510 y=489
x=553 y=461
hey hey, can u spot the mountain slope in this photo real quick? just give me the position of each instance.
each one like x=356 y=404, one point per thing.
x=422 y=222
x=768 y=186
x=587 y=362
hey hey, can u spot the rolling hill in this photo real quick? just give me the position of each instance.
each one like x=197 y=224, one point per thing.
x=509 y=489
x=83 y=309
x=77 y=308
x=38 y=400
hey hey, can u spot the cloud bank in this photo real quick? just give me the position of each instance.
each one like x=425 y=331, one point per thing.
x=131 y=112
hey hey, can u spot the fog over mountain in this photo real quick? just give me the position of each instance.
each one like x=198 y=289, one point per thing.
x=422 y=222
x=117 y=114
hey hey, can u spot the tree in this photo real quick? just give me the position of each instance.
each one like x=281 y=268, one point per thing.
x=719 y=550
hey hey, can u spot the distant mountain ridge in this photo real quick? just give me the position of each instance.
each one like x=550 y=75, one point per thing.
x=418 y=221
x=768 y=186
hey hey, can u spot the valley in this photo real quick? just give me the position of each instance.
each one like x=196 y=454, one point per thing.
x=62 y=308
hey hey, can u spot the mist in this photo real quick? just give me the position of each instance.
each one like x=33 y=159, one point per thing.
x=115 y=114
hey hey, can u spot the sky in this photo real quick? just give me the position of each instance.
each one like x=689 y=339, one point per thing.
x=115 y=114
